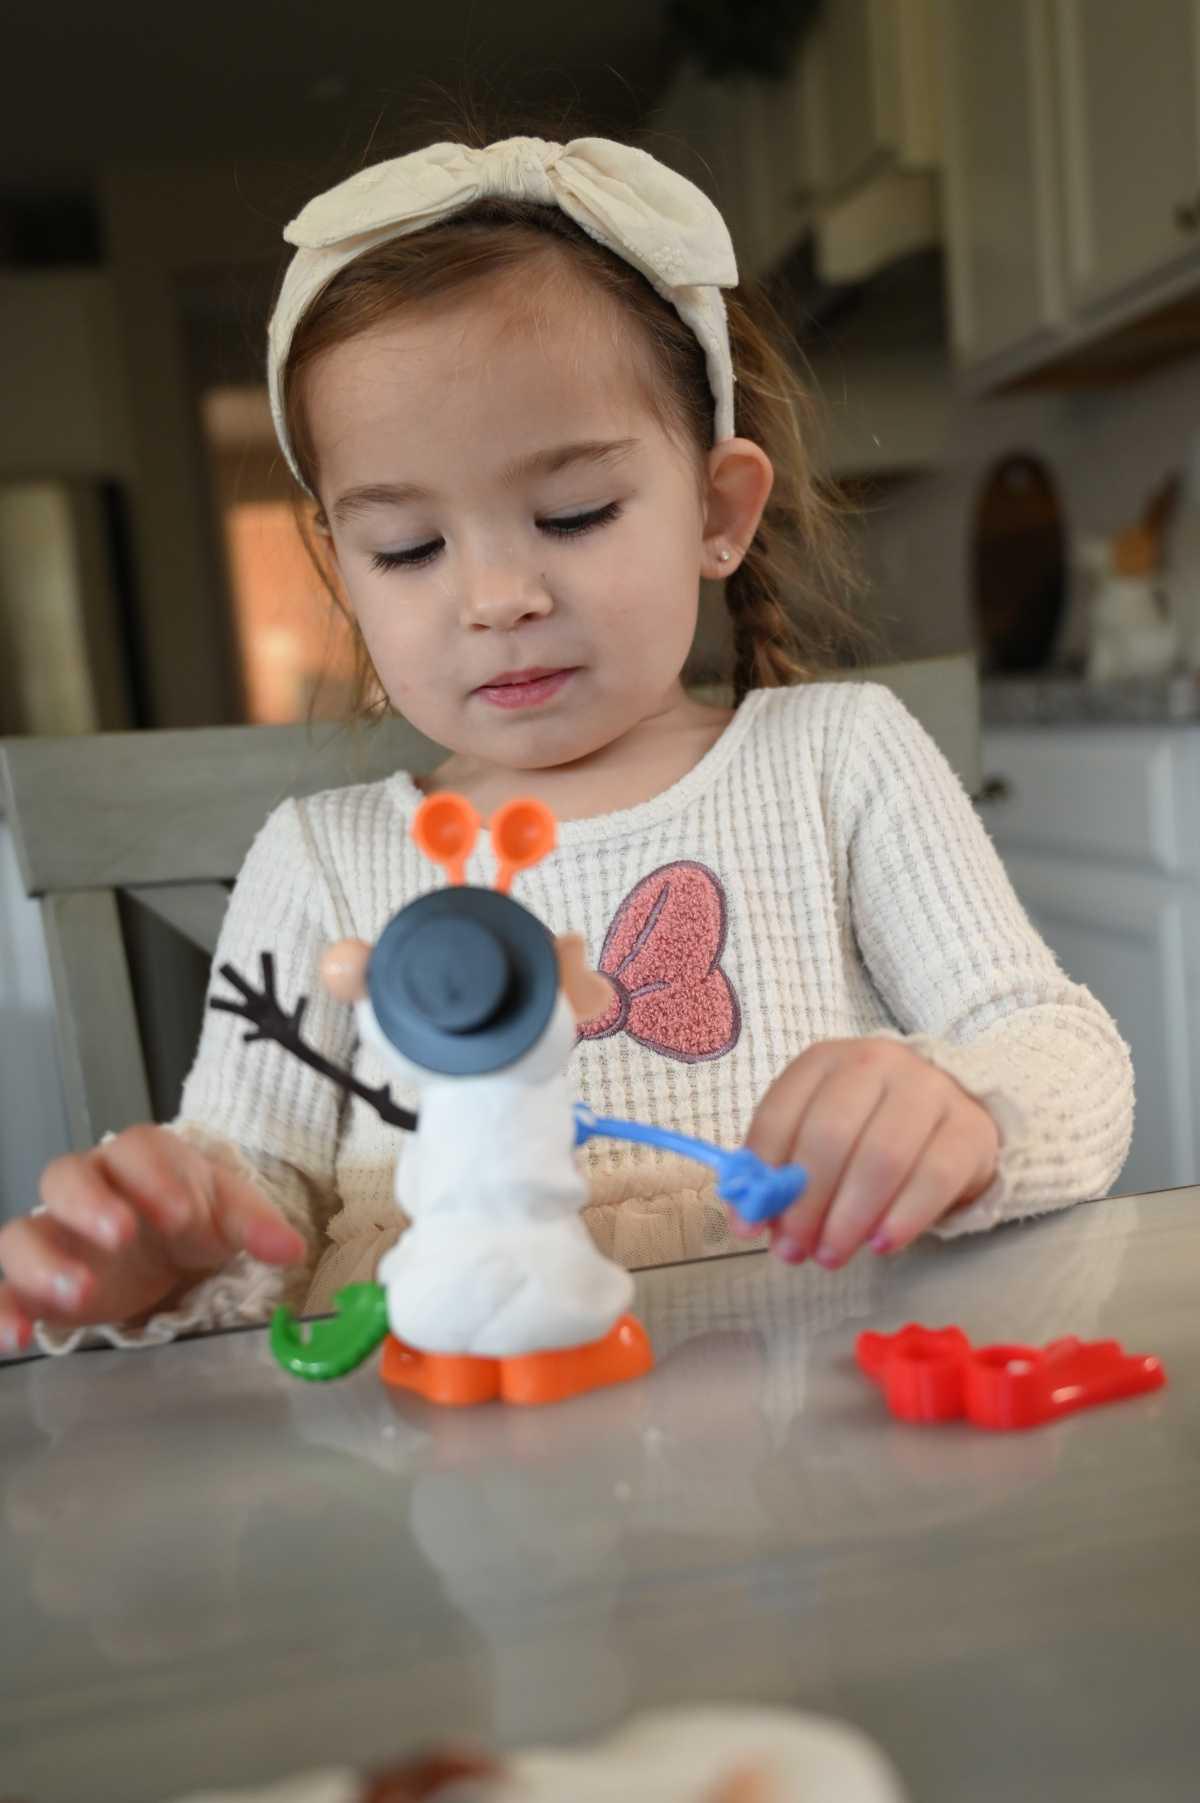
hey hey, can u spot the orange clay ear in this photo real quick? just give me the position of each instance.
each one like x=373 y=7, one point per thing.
x=523 y=833
x=589 y=994
x=446 y=828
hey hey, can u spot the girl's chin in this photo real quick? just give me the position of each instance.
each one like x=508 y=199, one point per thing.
x=542 y=738
x=545 y=744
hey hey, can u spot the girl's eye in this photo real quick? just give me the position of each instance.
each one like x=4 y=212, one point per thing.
x=572 y=526
x=406 y=560
x=576 y=523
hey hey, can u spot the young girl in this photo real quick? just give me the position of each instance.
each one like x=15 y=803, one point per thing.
x=531 y=424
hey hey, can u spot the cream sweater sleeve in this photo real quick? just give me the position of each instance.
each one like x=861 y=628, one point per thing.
x=252 y=1106
x=974 y=987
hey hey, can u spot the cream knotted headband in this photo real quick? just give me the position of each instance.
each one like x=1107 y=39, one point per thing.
x=623 y=198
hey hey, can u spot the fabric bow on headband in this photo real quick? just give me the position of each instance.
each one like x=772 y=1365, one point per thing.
x=625 y=199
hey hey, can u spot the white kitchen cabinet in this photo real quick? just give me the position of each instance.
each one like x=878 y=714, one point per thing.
x=1001 y=201
x=1128 y=88
x=1072 y=172
x=699 y=128
x=881 y=86
x=1123 y=935
x=755 y=146
x=879 y=78
x=792 y=135
x=844 y=142
x=857 y=54
x=748 y=191
x=681 y=131
x=1099 y=830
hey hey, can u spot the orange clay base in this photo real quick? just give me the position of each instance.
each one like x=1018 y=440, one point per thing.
x=460 y=1380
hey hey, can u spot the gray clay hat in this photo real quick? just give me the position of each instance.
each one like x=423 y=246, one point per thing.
x=463 y=981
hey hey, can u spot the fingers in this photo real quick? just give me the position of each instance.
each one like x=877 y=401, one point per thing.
x=890 y=1144
x=774 y=1136
x=162 y=1178
x=124 y=1225
x=44 y=1267
x=121 y=1227
x=773 y=1131
x=16 y=1326
x=203 y=1211
x=77 y=1193
x=246 y=1221
x=881 y=1161
x=949 y=1172
x=824 y=1138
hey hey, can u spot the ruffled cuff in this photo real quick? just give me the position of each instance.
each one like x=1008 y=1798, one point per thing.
x=972 y=1070
x=242 y=1293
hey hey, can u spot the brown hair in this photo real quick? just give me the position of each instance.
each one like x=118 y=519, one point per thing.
x=789 y=620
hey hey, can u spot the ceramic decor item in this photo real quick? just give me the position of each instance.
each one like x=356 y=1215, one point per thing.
x=1018 y=566
x=1182 y=562
x=1130 y=632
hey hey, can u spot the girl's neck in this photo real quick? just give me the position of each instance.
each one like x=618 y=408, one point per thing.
x=656 y=753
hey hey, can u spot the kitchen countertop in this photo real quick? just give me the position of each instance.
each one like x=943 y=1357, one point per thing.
x=213 y=1574
x=1063 y=700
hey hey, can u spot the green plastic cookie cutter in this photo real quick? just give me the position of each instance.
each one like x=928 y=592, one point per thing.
x=328 y=1349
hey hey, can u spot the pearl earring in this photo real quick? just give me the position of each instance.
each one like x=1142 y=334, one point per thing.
x=724 y=556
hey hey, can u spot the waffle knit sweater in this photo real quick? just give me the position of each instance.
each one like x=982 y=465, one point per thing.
x=819 y=874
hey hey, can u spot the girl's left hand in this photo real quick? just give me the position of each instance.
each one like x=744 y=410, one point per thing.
x=889 y=1142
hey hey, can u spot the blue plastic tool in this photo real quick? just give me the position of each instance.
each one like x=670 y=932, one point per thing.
x=759 y=1191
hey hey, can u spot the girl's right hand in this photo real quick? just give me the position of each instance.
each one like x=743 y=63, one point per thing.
x=126 y=1226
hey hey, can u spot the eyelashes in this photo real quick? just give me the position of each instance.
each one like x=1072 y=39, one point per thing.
x=573 y=526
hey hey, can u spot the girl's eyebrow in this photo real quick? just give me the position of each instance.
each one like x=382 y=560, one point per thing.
x=540 y=463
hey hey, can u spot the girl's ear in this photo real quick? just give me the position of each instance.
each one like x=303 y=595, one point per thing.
x=589 y=994
x=740 y=479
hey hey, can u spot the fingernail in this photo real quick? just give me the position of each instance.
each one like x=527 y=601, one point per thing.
x=828 y=1257
x=790 y=1251
x=108 y=1232
x=880 y=1242
x=65 y=1287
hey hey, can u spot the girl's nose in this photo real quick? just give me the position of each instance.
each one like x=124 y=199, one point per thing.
x=497 y=597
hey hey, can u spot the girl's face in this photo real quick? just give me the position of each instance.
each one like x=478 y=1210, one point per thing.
x=520 y=540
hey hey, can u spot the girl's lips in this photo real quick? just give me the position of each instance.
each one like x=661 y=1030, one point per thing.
x=528 y=692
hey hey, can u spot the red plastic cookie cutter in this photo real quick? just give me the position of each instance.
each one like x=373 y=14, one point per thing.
x=935 y=1374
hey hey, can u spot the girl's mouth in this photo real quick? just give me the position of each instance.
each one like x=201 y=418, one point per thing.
x=524 y=688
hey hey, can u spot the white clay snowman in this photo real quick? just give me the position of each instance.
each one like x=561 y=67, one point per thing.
x=468 y=998
x=497 y=1261
x=496 y=1289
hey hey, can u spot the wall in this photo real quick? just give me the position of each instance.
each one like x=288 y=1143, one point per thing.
x=1106 y=449
x=96 y=381
x=63 y=411
x=168 y=227
x=45 y=680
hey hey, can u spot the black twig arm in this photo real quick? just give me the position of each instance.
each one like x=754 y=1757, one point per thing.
x=269 y=1019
